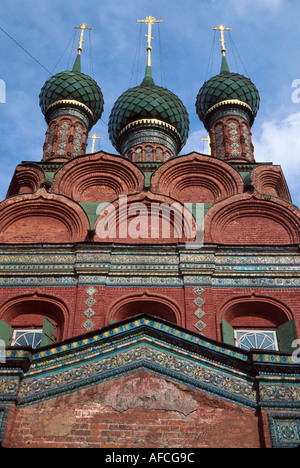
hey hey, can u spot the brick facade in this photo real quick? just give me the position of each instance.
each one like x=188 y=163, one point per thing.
x=142 y=351
x=137 y=411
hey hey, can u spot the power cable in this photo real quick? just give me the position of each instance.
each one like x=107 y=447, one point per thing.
x=211 y=58
x=91 y=55
x=64 y=53
x=236 y=50
x=162 y=66
x=26 y=51
x=136 y=59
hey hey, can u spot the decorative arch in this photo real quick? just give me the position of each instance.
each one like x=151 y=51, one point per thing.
x=154 y=219
x=253 y=310
x=98 y=178
x=26 y=179
x=269 y=179
x=154 y=305
x=253 y=220
x=42 y=218
x=197 y=178
x=30 y=309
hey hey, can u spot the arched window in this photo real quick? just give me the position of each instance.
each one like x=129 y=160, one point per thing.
x=151 y=308
x=258 y=324
x=28 y=335
x=145 y=304
x=256 y=339
x=33 y=321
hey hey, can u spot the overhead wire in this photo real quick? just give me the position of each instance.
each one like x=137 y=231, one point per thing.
x=72 y=38
x=26 y=51
x=136 y=58
x=72 y=49
x=91 y=55
x=235 y=50
x=162 y=65
x=211 y=58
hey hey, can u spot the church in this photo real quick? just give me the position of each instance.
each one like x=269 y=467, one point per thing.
x=149 y=298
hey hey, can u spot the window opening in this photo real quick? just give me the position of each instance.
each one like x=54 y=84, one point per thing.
x=256 y=339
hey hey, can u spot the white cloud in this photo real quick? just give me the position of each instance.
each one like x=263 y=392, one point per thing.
x=279 y=143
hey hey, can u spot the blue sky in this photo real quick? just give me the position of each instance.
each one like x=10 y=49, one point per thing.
x=266 y=39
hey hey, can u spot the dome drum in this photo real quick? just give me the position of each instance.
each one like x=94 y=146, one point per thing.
x=149 y=131
x=71 y=108
x=228 y=108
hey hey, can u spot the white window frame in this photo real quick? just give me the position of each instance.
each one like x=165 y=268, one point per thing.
x=22 y=331
x=257 y=331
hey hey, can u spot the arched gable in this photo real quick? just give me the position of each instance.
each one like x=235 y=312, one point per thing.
x=98 y=178
x=152 y=219
x=42 y=218
x=197 y=178
x=253 y=220
x=269 y=179
x=26 y=179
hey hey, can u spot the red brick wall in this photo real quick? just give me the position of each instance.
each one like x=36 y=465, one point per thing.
x=141 y=410
x=66 y=306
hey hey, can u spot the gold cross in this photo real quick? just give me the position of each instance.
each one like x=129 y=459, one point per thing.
x=222 y=40
x=81 y=41
x=149 y=20
x=209 y=141
x=94 y=137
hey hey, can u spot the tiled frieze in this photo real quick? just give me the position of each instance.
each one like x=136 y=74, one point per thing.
x=139 y=344
x=176 y=267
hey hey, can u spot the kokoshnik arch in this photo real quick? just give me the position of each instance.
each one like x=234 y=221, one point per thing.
x=141 y=342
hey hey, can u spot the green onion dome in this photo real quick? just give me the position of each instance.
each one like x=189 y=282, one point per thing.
x=227 y=89
x=73 y=89
x=150 y=105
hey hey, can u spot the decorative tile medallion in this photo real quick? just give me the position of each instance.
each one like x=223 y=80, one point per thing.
x=200 y=325
x=90 y=291
x=89 y=313
x=284 y=430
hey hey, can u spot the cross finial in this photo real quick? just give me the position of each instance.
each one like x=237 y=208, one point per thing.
x=81 y=41
x=209 y=142
x=222 y=40
x=94 y=137
x=149 y=20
